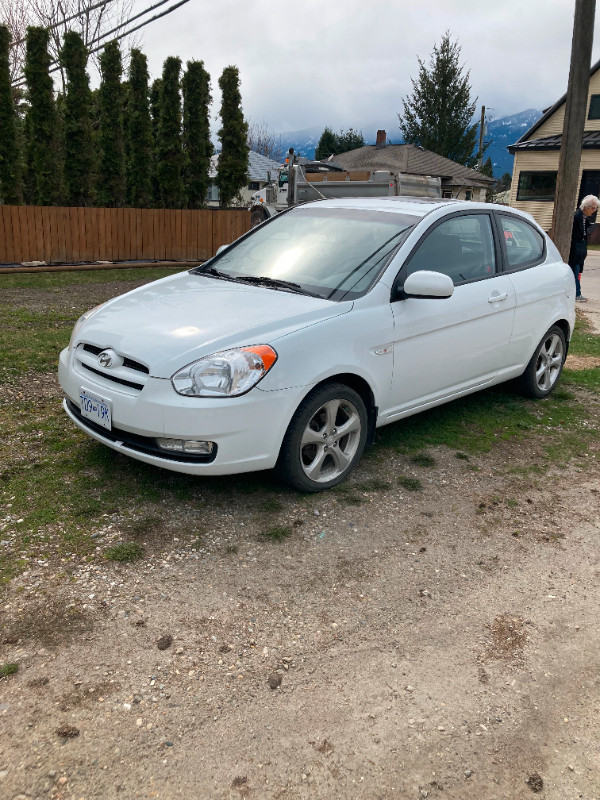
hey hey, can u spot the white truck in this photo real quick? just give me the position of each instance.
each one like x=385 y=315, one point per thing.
x=300 y=181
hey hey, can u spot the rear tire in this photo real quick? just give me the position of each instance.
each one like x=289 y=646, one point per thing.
x=324 y=440
x=544 y=369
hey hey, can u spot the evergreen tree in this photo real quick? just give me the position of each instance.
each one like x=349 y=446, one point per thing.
x=155 y=118
x=29 y=181
x=438 y=114
x=505 y=181
x=43 y=122
x=11 y=189
x=328 y=145
x=111 y=174
x=233 y=161
x=332 y=143
x=78 y=151
x=487 y=168
x=197 y=145
x=170 y=150
x=350 y=140
x=139 y=134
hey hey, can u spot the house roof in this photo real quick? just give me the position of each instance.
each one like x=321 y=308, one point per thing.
x=590 y=141
x=414 y=160
x=258 y=166
x=550 y=111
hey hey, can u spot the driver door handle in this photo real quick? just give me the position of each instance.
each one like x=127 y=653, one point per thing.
x=497 y=298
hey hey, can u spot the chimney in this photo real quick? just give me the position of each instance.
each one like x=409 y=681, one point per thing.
x=381 y=140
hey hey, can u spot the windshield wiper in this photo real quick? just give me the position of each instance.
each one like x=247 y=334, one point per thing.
x=274 y=283
x=215 y=273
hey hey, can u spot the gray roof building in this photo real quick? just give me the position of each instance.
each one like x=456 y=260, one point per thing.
x=413 y=160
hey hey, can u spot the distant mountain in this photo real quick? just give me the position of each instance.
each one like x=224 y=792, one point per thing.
x=503 y=132
x=500 y=133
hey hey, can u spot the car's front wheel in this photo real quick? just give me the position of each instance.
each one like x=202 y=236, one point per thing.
x=543 y=371
x=324 y=440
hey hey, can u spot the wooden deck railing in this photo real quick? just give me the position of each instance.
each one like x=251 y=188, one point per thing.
x=71 y=235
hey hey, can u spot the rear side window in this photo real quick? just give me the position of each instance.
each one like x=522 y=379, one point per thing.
x=524 y=245
x=461 y=247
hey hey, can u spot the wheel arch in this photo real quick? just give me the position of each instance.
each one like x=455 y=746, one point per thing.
x=362 y=388
x=566 y=329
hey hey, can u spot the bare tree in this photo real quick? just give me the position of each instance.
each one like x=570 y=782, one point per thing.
x=261 y=139
x=90 y=18
x=15 y=15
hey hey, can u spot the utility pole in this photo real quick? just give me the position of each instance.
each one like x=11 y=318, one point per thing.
x=567 y=181
x=481 y=124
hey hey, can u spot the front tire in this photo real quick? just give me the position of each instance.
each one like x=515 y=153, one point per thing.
x=324 y=440
x=544 y=369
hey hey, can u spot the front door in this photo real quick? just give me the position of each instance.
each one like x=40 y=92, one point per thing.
x=443 y=347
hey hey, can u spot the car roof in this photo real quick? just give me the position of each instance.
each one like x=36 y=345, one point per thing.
x=415 y=206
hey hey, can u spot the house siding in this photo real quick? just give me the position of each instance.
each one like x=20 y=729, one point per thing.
x=539 y=161
x=554 y=125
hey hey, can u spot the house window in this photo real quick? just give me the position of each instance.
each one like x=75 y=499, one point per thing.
x=594 y=112
x=446 y=194
x=212 y=194
x=538 y=186
x=254 y=186
x=468 y=194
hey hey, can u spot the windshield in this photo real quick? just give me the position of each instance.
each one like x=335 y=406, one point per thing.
x=334 y=253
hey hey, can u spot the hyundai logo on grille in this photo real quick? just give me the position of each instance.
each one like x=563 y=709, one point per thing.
x=108 y=358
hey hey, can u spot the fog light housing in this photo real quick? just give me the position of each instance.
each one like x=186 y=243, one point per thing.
x=190 y=446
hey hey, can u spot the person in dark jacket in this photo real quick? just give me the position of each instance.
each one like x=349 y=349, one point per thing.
x=581 y=225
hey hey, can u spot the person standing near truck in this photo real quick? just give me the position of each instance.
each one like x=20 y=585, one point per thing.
x=581 y=226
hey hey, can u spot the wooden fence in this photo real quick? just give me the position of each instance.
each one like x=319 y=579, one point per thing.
x=71 y=235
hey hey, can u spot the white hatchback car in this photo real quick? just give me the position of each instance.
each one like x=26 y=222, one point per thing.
x=289 y=347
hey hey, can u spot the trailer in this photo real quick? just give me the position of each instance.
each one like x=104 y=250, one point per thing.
x=301 y=181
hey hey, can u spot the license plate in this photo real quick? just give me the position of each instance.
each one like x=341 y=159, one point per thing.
x=96 y=408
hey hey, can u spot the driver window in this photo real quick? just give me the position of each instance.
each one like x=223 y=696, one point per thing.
x=461 y=247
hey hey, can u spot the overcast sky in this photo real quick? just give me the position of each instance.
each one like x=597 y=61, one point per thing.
x=348 y=63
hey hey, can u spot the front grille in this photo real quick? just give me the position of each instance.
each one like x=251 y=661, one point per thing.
x=113 y=378
x=131 y=374
x=128 y=362
x=140 y=444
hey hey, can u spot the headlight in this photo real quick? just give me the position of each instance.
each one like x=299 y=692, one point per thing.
x=83 y=318
x=229 y=373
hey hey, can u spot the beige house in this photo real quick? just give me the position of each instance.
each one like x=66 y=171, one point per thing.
x=457 y=181
x=537 y=153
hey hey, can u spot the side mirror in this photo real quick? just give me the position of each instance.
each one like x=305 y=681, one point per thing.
x=427 y=284
x=220 y=250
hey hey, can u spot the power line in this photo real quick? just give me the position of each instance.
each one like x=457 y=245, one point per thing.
x=68 y=19
x=131 y=19
x=164 y=13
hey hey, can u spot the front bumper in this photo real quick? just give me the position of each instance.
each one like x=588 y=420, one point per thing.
x=247 y=430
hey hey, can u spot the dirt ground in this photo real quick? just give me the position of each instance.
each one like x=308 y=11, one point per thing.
x=437 y=644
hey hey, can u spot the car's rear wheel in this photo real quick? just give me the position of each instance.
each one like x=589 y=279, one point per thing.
x=543 y=371
x=324 y=440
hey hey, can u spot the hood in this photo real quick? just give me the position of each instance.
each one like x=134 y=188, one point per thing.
x=171 y=322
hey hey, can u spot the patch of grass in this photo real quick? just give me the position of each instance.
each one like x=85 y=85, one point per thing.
x=10 y=668
x=461 y=456
x=271 y=504
x=277 y=533
x=47 y=280
x=31 y=341
x=584 y=342
x=411 y=484
x=373 y=485
x=512 y=503
x=125 y=552
x=424 y=460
